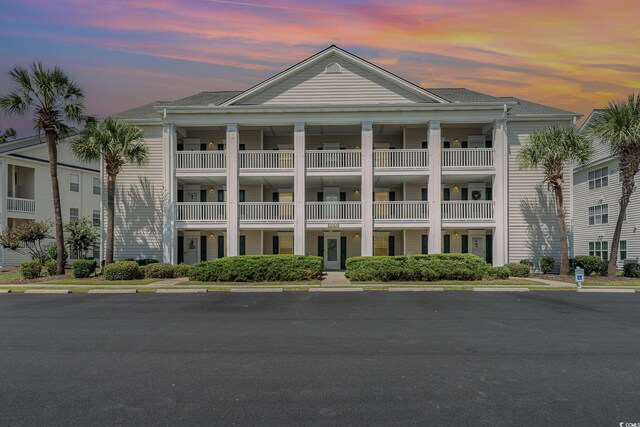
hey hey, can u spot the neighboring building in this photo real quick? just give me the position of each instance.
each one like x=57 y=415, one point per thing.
x=336 y=157
x=25 y=187
x=597 y=188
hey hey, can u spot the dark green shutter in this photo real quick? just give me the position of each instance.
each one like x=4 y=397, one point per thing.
x=425 y=145
x=321 y=246
x=220 y=147
x=488 y=144
x=446 y=194
x=220 y=246
x=425 y=244
x=465 y=194
x=447 y=244
x=276 y=197
x=241 y=147
x=464 y=144
x=392 y=245
x=203 y=147
x=425 y=194
x=343 y=252
x=180 y=196
x=241 y=196
x=220 y=195
x=465 y=244
x=203 y=195
x=446 y=144
x=243 y=250
x=320 y=196
x=489 y=193
x=276 y=245
x=180 y=147
x=392 y=196
x=203 y=248
x=489 y=249
x=343 y=196
x=180 y=249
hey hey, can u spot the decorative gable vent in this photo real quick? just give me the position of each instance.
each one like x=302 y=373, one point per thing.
x=333 y=68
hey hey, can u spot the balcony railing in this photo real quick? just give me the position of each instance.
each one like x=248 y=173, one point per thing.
x=401 y=159
x=467 y=158
x=266 y=211
x=334 y=211
x=15 y=204
x=200 y=160
x=262 y=159
x=468 y=211
x=202 y=212
x=401 y=211
x=333 y=159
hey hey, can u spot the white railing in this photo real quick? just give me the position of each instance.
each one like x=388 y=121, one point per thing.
x=203 y=211
x=401 y=211
x=261 y=159
x=468 y=211
x=200 y=160
x=15 y=204
x=333 y=211
x=467 y=157
x=401 y=159
x=266 y=211
x=334 y=159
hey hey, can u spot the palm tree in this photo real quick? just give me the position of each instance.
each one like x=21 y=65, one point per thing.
x=554 y=149
x=56 y=101
x=618 y=126
x=116 y=143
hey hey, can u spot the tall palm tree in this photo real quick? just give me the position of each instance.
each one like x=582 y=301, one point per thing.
x=116 y=144
x=618 y=126
x=554 y=149
x=56 y=102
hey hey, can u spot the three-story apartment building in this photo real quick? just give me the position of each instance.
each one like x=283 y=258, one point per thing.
x=336 y=157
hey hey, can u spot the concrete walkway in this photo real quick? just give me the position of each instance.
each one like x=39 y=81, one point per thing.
x=554 y=283
x=335 y=278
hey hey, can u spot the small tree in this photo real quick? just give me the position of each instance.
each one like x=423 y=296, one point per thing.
x=81 y=236
x=27 y=239
x=554 y=149
x=618 y=126
x=7 y=134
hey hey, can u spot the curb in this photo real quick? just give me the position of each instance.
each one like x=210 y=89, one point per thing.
x=112 y=291
x=47 y=291
x=606 y=291
x=181 y=291
x=415 y=289
x=335 y=289
x=500 y=289
x=259 y=290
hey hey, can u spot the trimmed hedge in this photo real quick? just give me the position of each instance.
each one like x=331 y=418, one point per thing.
x=518 y=269
x=83 y=268
x=501 y=273
x=146 y=261
x=632 y=270
x=258 y=268
x=181 y=270
x=418 y=268
x=30 y=269
x=547 y=264
x=158 y=271
x=591 y=264
x=122 y=270
x=51 y=265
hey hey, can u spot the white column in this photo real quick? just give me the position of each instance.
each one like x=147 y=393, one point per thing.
x=366 y=195
x=4 y=178
x=500 y=193
x=233 y=235
x=169 y=234
x=435 y=187
x=300 y=223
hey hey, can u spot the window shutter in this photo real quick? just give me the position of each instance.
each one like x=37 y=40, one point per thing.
x=180 y=196
x=276 y=197
x=241 y=147
x=241 y=196
x=276 y=245
x=489 y=193
x=180 y=147
x=425 y=145
x=425 y=194
x=465 y=194
x=343 y=196
x=180 y=249
x=447 y=244
x=220 y=246
x=243 y=242
x=465 y=244
x=392 y=196
x=464 y=144
x=203 y=195
x=488 y=144
x=446 y=144
x=321 y=246
x=425 y=244
x=320 y=196
x=392 y=245
x=203 y=248
x=203 y=147
x=489 y=248
x=446 y=194
x=343 y=252
x=220 y=147
x=220 y=195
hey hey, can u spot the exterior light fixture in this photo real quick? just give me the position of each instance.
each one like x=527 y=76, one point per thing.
x=356 y=193
x=211 y=144
x=455 y=235
x=356 y=237
x=212 y=236
x=456 y=142
x=455 y=188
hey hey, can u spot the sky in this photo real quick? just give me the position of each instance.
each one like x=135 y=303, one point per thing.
x=571 y=54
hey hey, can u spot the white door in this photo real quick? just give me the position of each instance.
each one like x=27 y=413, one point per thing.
x=477 y=246
x=191 y=196
x=332 y=251
x=191 y=247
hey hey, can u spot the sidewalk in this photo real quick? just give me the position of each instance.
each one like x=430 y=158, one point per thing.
x=335 y=278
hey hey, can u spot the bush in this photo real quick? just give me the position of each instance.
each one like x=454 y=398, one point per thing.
x=417 y=268
x=592 y=265
x=258 y=268
x=547 y=264
x=51 y=266
x=83 y=268
x=632 y=270
x=51 y=252
x=501 y=273
x=517 y=269
x=158 y=271
x=30 y=269
x=146 y=261
x=526 y=262
x=181 y=270
x=122 y=270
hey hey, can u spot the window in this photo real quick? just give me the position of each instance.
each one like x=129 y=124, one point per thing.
x=380 y=245
x=623 y=250
x=286 y=244
x=96 y=218
x=599 y=178
x=599 y=249
x=74 y=182
x=599 y=214
x=96 y=186
x=96 y=252
x=74 y=213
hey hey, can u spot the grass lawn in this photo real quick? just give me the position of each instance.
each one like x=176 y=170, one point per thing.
x=99 y=282
x=5 y=277
x=239 y=284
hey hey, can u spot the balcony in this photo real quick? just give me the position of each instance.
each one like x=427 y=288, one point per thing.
x=333 y=160
x=334 y=212
x=269 y=212
x=467 y=158
x=200 y=161
x=468 y=211
x=18 y=205
x=261 y=160
x=405 y=211
x=401 y=159
x=215 y=212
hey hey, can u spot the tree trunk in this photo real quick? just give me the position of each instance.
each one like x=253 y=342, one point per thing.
x=52 y=140
x=111 y=211
x=627 y=189
x=564 y=241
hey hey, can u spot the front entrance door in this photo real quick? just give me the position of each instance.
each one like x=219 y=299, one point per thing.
x=191 y=247
x=332 y=251
x=192 y=196
x=477 y=246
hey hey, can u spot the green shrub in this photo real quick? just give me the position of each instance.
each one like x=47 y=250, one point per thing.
x=127 y=259
x=417 y=268
x=51 y=252
x=501 y=273
x=258 y=268
x=51 y=266
x=592 y=265
x=30 y=269
x=146 y=261
x=122 y=270
x=83 y=268
x=547 y=264
x=517 y=269
x=632 y=270
x=158 y=271
x=527 y=262
x=181 y=270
